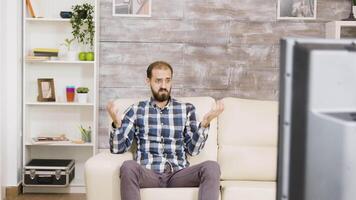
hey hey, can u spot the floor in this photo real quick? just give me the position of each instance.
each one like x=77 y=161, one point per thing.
x=50 y=197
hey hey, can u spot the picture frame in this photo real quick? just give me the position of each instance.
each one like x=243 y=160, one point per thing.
x=296 y=9
x=46 y=90
x=132 y=8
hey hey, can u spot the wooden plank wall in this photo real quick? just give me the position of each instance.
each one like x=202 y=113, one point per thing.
x=217 y=48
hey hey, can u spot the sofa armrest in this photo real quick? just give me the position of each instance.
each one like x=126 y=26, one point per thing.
x=102 y=175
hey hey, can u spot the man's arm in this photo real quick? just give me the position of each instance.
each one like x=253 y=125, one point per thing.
x=122 y=131
x=196 y=135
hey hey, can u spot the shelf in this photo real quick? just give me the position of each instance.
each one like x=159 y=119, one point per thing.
x=60 y=62
x=59 y=117
x=47 y=20
x=58 y=104
x=60 y=144
x=333 y=29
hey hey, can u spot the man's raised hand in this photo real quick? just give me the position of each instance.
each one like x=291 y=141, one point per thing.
x=215 y=111
x=113 y=110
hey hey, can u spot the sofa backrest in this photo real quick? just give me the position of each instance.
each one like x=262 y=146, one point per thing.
x=202 y=105
x=247 y=139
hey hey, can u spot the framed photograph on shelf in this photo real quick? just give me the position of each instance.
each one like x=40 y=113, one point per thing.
x=296 y=9
x=132 y=8
x=46 y=90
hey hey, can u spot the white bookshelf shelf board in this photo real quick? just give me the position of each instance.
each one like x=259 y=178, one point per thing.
x=60 y=62
x=47 y=20
x=61 y=144
x=58 y=104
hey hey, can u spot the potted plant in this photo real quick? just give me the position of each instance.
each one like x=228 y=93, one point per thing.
x=71 y=55
x=85 y=133
x=83 y=28
x=82 y=94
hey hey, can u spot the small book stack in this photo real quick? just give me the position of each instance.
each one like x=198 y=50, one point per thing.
x=37 y=58
x=51 y=139
x=48 y=52
x=42 y=54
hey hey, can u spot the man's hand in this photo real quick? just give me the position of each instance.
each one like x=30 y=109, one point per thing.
x=113 y=111
x=215 y=111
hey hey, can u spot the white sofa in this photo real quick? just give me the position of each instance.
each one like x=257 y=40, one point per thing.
x=243 y=140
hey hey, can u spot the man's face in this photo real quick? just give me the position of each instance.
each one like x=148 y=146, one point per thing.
x=161 y=84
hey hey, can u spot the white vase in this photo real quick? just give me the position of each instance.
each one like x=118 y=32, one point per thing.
x=354 y=10
x=72 y=55
x=82 y=97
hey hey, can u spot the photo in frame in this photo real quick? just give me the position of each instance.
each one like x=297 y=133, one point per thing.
x=132 y=8
x=296 y=9
x=46 y=90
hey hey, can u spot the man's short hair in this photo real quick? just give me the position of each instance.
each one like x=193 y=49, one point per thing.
x=158 y=65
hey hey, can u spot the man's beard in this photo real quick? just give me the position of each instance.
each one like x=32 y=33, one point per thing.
x=163 y=96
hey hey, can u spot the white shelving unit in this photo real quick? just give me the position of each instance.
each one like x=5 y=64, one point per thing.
x=59 y=117
x=333 y=29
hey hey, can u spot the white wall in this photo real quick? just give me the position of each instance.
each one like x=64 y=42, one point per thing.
x=11 y=95
x=1 y=84
x=2 y=171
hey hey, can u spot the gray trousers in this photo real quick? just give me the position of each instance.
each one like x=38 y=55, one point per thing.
x=206 y=175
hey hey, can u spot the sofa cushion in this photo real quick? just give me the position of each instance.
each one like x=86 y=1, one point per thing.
x=248 y=190
x=169 y=193
x=202 y=105
x=248 y=162
x=248 y=139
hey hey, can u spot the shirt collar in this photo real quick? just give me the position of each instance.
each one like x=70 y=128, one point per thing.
x=153 y=103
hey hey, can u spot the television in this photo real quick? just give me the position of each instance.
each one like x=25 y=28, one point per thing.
x=317 y=120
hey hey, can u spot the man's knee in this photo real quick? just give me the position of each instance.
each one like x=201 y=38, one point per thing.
x=211 y=169
x=128 y=167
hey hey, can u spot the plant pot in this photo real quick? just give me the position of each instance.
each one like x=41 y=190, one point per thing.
x=72 y=55
x=89 y=56
x=82 y=97
x=354 y=10
x=86 y=137
x=65 y=14
x=82 y=56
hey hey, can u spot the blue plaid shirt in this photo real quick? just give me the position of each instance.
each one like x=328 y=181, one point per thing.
x=163 y=136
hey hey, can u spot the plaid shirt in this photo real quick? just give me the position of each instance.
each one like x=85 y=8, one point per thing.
x=163 y=136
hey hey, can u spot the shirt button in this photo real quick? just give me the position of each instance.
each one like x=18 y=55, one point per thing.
x=162 y=124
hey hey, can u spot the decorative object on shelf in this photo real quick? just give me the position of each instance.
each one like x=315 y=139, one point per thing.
x=82 y=56
x=89 y=56
x=82 y=94
x=49 y=172
x=83 y=28
x=30 y=8
x=70 y=93
x=86 y=134
x=352 y=12
x=51 y=139
x=132 y=8
x=296 y=9
x=71 y=55
x=86 y=56
x=65 y=14
x=46 y=91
